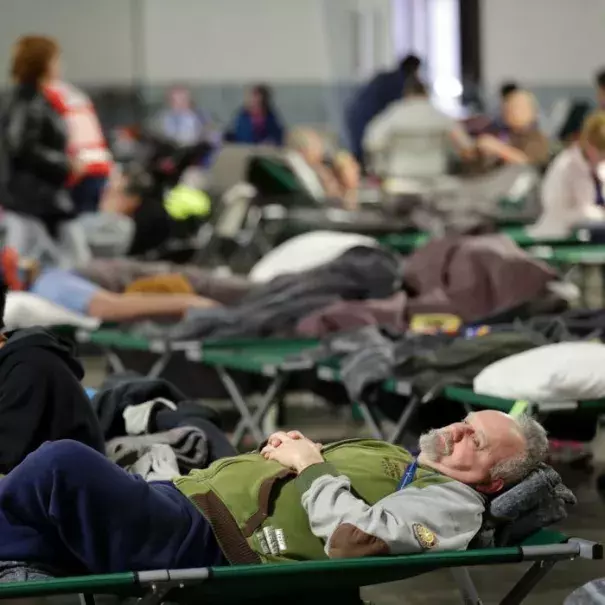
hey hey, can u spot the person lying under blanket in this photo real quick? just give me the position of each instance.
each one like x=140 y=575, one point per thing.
x=71 y=291
x=68 y=507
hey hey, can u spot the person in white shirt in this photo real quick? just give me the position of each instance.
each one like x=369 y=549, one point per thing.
x=572 y=189
x=412 y=138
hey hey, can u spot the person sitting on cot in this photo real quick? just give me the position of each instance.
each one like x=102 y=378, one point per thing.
x=572 y=193
x=71 y=291
x=516 y=138
x=68 y=507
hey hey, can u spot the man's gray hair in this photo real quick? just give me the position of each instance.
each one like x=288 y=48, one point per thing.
x=515 y=469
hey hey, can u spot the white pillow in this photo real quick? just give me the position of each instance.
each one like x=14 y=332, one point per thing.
x=563 y=372
x=306 y=251
x=26 y=310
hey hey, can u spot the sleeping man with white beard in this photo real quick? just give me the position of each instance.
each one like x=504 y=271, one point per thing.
x=70 y=507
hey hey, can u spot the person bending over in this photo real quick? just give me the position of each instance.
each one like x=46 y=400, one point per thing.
x=69 y=507
x=572 y=189
x=79 y=295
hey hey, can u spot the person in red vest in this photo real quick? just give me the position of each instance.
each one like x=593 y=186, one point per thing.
x=86 y=143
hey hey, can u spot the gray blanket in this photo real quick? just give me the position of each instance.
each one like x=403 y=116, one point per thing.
x=275 y=308
x=537 y=502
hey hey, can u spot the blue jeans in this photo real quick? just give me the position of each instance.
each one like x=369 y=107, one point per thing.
x=69 y=507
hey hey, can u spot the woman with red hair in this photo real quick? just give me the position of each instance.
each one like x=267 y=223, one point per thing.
x=35 y=142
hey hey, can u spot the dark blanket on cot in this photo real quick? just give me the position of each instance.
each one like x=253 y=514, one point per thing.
x=274 y=308
x=123 y=390
x=476 y=278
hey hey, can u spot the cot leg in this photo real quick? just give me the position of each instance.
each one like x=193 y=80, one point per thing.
x=155 y=596
x=87 y=599
x=114 y=361
x=527 y=583
x=157 y=369
x=370 y=420
x=250 y=422
x=466 y=586
x=404 y=419
x=271 y=420
x=267 y=401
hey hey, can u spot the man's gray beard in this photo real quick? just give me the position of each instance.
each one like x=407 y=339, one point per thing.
x=435 y=444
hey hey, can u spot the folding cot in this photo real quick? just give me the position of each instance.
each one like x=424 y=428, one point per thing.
x=578 y=254
x=408 y=242
x=111 y=339
x=273 y=359
x=320 y=582
x=587 y=258
x=277 y=361
x=469 y=397
x=317 y=581
x=463 y=395
x=264 y=358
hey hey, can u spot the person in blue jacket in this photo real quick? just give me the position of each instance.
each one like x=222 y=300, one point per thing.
x=382 y=90
x=257 y=122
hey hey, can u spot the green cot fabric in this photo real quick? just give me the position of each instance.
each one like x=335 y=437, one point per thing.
x=254 y=505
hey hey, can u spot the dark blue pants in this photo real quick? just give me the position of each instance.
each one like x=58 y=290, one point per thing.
x=69 y=507
x=86 y=195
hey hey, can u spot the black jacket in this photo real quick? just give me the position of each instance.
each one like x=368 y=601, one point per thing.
x=120 y=391
x=33 y=139
x=41 y=398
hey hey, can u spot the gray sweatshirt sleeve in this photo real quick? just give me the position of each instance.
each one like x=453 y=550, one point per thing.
x=443 y=516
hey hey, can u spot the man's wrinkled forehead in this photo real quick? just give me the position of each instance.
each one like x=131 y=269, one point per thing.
x=506 y=425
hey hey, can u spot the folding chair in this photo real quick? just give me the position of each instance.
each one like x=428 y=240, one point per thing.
x=320 y=582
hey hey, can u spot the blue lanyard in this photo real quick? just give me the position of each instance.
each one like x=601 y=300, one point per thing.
x=408 y=476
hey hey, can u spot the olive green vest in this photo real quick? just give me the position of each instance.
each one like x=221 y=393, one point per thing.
x=254 y=505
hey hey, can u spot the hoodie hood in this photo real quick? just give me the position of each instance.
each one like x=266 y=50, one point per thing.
x=19 y=340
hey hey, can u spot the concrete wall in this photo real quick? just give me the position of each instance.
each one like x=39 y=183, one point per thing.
x=552 y=46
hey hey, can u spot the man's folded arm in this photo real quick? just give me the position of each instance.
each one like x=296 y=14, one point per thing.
x=441 y=516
